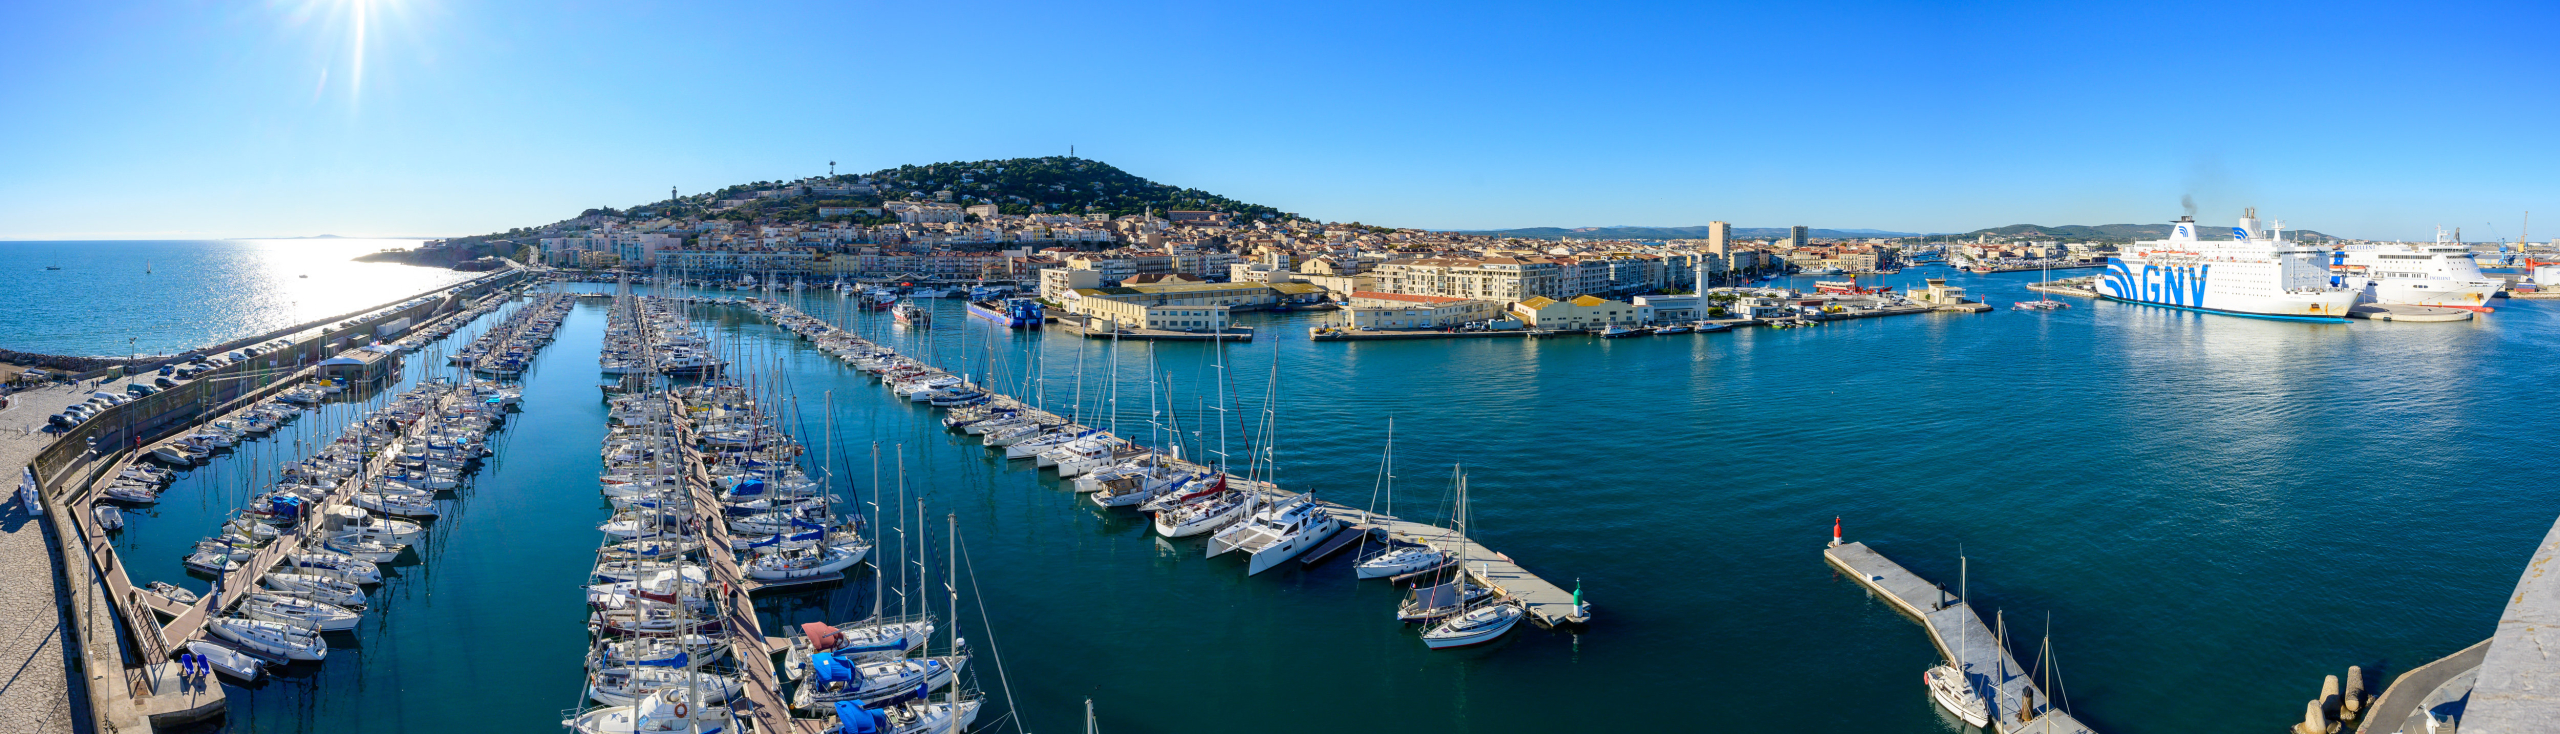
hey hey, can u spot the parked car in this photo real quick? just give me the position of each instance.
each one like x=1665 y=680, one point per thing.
x=63 y=420
x=164 y=383
x=139 y=389
x=168 y=369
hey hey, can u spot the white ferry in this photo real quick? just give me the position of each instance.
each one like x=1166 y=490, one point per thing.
x=2441 y=274
x=2255 y=273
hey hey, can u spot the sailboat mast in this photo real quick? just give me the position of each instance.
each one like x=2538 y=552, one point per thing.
x=902 y=529
x=879 y=580
x=951 y=583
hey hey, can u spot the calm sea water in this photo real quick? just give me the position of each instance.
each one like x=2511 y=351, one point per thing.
x=194 y=293
x=2212 y=512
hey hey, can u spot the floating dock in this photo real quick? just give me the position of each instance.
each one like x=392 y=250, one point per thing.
x=2016 y=704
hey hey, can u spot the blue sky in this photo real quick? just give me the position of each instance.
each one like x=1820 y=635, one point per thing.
x=220 y=119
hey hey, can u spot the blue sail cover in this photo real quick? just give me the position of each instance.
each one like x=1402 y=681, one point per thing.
x=811 y=535
x=748 y=488
x=285 y=506
x=859 y=720
x=806 y=525
x=674 y=662
x=767 y=542
x=825 y=667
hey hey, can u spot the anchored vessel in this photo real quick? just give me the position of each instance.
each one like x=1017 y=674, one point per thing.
x=2256 y=273
x=2441 y=274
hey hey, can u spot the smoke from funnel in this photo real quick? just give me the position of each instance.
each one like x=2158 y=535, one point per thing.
x=2188 y=201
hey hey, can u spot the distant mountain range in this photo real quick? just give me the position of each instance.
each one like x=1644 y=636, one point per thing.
x=2118 y=232
x=1676 y=233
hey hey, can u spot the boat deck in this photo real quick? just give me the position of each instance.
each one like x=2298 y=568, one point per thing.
x=2017 y=705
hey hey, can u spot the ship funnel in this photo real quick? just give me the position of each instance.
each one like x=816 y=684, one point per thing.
x=2248 y=226
x=2185 y=231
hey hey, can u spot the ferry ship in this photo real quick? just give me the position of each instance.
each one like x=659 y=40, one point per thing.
x=2441 y=274
x=2256 y=273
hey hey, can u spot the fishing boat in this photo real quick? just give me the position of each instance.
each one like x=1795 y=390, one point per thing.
x=1614 y=331
x=909 y=314
x=1011 y=313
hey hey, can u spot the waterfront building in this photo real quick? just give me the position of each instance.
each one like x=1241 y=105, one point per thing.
x=1374 y=310
x=1130 y=313
x=1498 y=279
x=1058 y=285
x=1581 y=313
x=1658 y=309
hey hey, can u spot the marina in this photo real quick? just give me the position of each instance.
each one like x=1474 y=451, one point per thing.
x=766 y=613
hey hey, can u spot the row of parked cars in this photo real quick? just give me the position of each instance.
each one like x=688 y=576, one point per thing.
x=170 y=376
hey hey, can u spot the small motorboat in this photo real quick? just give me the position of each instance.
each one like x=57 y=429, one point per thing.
x=109 y=518
x=226 y=660
x=172 y=592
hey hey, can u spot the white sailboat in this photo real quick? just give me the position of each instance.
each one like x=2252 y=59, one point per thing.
x=1480 y=620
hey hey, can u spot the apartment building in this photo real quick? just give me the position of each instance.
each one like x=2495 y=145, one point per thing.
x=1497 y=279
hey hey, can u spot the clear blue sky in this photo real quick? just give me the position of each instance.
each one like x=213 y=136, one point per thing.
x=220 y=119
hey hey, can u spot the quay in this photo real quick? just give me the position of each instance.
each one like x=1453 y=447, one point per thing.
x=1082 y=326
x=2015 y=703
x=68 y=595
x=1338 y=334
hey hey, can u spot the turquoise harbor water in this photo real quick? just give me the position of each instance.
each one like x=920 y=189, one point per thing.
x=2214 y=512
x=171 y=296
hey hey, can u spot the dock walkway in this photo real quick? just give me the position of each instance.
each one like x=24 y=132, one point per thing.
x=2017 y=705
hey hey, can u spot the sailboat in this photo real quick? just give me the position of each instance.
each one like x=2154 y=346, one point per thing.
x=1481 y=619
x=2045 y=304
x=1397 y=557
x=1951 y=687
x=1455 y=591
